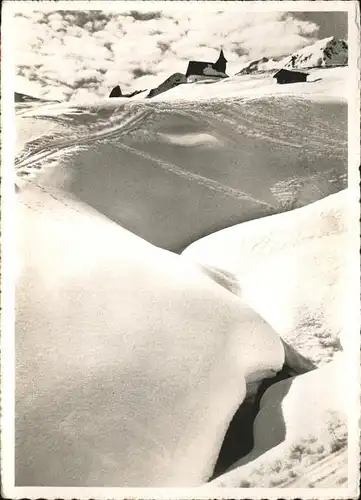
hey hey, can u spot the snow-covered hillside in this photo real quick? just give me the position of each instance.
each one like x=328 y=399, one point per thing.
x=110 y=193
x=323 y=53
x=278 y=250
x=328 y=52
x=137 y=344
x=259 y=65
x=323 y=84
x=249 y=153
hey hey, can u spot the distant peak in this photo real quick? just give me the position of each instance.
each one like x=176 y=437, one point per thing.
x=326 y=52
x=330 y=51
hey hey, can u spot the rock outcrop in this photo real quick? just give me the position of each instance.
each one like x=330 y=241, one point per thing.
x=173 y=81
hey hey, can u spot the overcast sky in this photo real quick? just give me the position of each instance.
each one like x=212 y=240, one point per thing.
x=82 y=54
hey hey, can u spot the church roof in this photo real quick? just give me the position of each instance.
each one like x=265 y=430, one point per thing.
x=197 y=67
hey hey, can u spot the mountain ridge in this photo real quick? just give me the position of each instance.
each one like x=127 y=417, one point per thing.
x=327 y=52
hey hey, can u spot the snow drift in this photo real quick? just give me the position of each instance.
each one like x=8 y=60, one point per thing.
x=145 y=358
x=287 y=453
x=294 y=269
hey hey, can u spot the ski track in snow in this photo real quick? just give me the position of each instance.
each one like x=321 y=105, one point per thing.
x=241 y=116
x=43 y=152
x=115 y=132
x=200 y=179
x=276 y=123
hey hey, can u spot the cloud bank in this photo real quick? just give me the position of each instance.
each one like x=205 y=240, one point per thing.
x=83 y=54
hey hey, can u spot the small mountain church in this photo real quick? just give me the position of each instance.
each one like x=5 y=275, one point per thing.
x=203 y=68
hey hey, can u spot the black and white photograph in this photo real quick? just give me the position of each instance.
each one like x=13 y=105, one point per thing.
x=180 y=249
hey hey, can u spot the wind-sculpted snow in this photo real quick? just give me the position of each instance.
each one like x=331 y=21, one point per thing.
x=175 y=171
x=131 y=361
x=300 y=434
x=295 y=269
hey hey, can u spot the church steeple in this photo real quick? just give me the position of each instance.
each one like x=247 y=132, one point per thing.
x=220 y=64
x=221 y=56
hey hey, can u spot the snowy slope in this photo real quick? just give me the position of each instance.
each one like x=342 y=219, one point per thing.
x=259 y=65
x=19 y=97
x=323 y=84
x=146 y=358
x=174 y=169
x=169 y=170
x=323 y=53
x=328 y=52
x=295 y=269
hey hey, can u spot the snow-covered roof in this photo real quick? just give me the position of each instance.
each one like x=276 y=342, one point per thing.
x=288 y=71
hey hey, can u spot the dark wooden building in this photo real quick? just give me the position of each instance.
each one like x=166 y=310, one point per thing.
x=287 y=76
x=198 y=67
